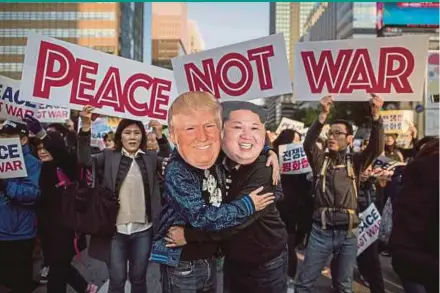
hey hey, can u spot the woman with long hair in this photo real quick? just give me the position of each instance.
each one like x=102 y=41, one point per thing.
x=130 y=171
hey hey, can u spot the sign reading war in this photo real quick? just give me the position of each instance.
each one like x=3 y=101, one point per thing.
x=12 y=107
x=394 y=68
x=11 y=159
x=74 y=76
x=243 y=71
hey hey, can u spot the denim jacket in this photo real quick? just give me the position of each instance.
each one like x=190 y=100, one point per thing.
x=185 y=204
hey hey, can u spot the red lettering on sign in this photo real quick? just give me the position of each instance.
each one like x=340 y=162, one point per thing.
x=213 y=77
x=57 y=67
x=353 y=70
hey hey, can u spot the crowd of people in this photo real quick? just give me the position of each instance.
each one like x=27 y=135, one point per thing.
x=219 y=195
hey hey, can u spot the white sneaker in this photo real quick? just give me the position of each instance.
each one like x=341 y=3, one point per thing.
x=43 y=275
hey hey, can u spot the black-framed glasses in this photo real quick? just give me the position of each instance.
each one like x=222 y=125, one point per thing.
x=336 y=133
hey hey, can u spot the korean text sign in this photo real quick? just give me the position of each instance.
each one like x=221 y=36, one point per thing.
x=293 y=159
x=63 y=74
x=244 y=71
x=394 y=68
x=397 y=121
x=11 y=159
x=12 y=107
x=287 y=123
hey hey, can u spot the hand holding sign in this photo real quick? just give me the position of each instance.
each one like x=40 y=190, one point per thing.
x=157 y=128
x=325 y=103
x=32 y=124
x=86 y=117
x=376 y=103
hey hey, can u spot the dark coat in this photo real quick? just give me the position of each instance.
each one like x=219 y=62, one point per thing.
x=107 y=164
x=415 y=236
x=57 y=240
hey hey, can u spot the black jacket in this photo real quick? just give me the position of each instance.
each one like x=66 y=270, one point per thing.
x=415 y=236
x=339 y=189
x=263 y=236
x=57 y=240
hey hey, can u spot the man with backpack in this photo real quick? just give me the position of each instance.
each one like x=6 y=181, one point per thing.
x=336 y=181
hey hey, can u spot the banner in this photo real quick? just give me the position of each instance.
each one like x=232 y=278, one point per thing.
x=293 y=159
x=11 y=159
x=385 y=163
x=101 y=126
x=397 y=121
x=244 y=71
x=11 y=106
x=393 y=68
x=63 y=74
x=287 y=123
x=432 y=80
x=368 y=230
x=52 y=114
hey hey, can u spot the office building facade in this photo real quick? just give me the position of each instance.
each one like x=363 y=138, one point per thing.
x=114 y=28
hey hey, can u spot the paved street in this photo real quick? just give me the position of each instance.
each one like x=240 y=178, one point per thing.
x=96 y=273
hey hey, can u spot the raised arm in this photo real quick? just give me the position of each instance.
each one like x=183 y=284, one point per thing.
x=376 y=144
x=315 y=154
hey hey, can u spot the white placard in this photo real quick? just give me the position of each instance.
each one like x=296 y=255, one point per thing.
x=432 y=122
x=12 y=107
x=293 y=159
x=368 y=230
x=287 y=123
x=63 y=74
x=244 y=71
x=52 y=114
x=397 y=121
x=393 y=68
x=432 y=80
x=11 y=159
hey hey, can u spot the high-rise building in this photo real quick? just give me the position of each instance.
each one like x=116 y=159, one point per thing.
x=304 y=10
x=321 y=23
x=112 y=27
x=355 y=20
x=196 y=43
x=170 y=37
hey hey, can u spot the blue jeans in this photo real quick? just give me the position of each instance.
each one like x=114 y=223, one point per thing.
x=323 y=243
x=198 y=276
x=268 y=277
x=135 y=249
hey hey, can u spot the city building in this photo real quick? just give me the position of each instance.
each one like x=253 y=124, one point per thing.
x=170 y=32
x=112 y=27
x=196 y=43
x=284 y=18
x=355 y=20
x=304 y=10
x=321 y=23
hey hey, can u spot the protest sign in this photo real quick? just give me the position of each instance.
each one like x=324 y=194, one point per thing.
x=52 y=114
x=287 y=123
x=368 y=230
x=243 y=71
x=11 y=106
x=63 y=74
x=11 y=159
x=101 y=126
x=432 y=80
x=384 y=163
x=397 y=121
x=394 y=68
x=293 y=159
